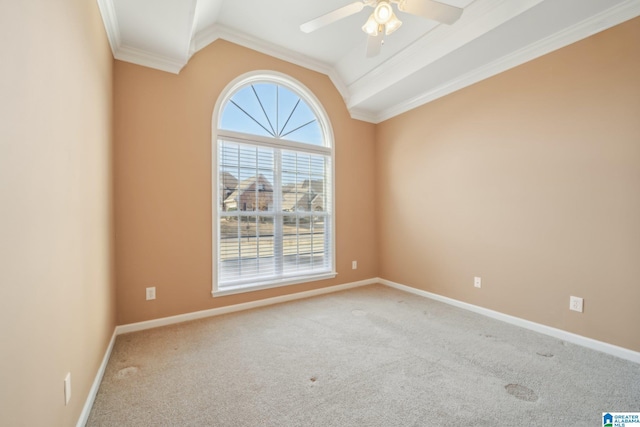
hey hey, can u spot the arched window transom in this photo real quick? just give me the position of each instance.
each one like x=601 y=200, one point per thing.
x=272 y=110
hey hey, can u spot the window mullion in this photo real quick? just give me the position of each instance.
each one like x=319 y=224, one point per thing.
x=278 y=243
x=249 y=139
x=310 y=219
x=256 y=209
x=239 y=229
x=328 y=212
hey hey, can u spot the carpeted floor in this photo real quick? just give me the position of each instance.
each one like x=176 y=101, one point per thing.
x=370 y=356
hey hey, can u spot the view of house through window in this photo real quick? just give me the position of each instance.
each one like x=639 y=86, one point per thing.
x=274 y=198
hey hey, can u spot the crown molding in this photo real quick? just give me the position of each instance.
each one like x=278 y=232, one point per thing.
x=110 y=20
x=134 y=55
x=593 y=25
x=415 y=57
x=363 y=115
x=215 y=32
x=193 y=10
x=151 y=60
x=202 y=39
x=129 y=54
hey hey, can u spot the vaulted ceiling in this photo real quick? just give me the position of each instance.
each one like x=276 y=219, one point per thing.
x=420 y=62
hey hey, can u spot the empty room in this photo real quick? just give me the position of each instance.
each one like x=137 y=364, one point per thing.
x=329 y=213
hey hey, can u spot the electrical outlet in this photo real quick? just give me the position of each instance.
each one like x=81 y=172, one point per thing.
x=575 y=304
x=354 y=265
x=151 y=293
x=477 y=282
x=67 y=388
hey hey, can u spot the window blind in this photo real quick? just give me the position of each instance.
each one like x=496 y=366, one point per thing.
x=273 y=214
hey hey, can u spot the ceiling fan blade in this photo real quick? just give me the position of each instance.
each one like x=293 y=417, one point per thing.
x=332 y=17
x=431 y=9
x=374 y=44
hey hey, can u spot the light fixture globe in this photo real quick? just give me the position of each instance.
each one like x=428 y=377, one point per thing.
x=393 y=24
x=383 y=12
x=371 y=26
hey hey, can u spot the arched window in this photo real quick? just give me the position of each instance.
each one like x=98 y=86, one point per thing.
x=273 y=221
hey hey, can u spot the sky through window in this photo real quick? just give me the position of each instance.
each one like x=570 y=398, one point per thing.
x=271 y=110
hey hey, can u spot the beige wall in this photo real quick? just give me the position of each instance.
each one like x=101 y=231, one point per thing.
x=57 y=299
x=163 y=185
x=531 y=180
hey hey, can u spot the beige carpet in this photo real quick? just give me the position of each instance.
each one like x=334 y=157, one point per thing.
x=371 y=356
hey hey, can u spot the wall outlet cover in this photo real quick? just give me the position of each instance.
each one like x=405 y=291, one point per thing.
x=576 y=304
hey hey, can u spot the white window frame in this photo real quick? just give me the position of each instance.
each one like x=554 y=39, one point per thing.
x=328 y=149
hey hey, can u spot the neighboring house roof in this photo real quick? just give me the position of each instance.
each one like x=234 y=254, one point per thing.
x=317 y=185
x=228 y=181
x=305 y=196
x=249 y=184
x=288 y=187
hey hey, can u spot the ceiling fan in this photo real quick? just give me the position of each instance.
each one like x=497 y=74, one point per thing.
x=383 y=21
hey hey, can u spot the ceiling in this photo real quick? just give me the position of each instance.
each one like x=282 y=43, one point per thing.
x=420 y=62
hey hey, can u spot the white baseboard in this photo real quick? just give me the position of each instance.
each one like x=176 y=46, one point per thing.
x=603 y=347
x=88 y=404
x=140 y=326
x=611 y=349
x=133 y=327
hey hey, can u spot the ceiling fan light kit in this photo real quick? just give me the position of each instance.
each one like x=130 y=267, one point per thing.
x=371 y=26
x=384 y=20
x=382 y=13
x=392 y=25
x=382 y=17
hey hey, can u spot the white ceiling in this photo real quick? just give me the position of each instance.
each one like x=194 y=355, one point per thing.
x=420 y=62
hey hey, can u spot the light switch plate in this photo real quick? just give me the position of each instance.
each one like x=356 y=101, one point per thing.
x=67 y=388
x=477 y=282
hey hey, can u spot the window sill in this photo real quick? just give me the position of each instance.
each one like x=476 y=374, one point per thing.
x=250 y=287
